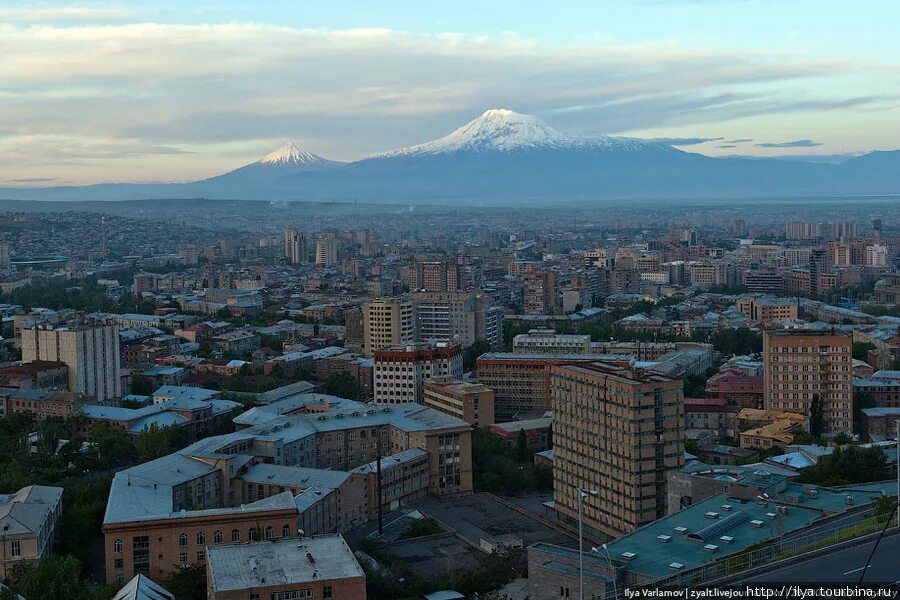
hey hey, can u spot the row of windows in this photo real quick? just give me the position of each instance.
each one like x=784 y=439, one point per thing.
x=252 y=535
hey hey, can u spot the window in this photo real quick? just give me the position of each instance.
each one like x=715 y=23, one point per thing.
x=235 y=536
x=120 y=579
x=119 y=563
x=201 y=556
x=286 y=531
x=140 y=552
x=217 y=537
x=252 y=534
x=16 y=549
x=326 y=592
x=182 y=540
x=270 y=533
x=292 y=595
x=182 y=557
x=201 y=538
x=118 y=546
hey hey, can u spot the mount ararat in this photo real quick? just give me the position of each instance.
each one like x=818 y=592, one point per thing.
x=502 y=158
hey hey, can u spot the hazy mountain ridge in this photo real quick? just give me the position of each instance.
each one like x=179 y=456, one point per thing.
x=503 y=157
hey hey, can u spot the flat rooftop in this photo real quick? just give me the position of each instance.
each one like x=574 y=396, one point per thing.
x=281 y=562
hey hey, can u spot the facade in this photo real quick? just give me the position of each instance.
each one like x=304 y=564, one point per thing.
x=768 y=309
x=89 y=348
x=521 y=382
x=735 y=387
x=547 y=341
x=401 y=371
x=387 y=322
x=314 y=567
x=887 y=289
x=40 y=402
x=617 y=430
x=36 y=374
x=30 y=523
x=801 y=365
x=471 y=402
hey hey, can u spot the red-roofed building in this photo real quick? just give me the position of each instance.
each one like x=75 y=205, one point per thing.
x=734 y=387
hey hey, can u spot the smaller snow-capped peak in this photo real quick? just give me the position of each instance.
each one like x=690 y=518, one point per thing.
x=289 y=155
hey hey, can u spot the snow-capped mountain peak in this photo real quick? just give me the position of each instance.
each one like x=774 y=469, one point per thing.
x=290 y=155
x=501 y=129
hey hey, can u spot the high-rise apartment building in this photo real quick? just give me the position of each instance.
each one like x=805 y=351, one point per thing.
x=295 y=249
x=326 y=251
x=88 y=347
x=617 y=431
x=802 y=365
x=456 y=316
x=401 y=371
x=387 y=322
x=5 y=259
x=434 y=276
x=539 y=292
x=803 y=231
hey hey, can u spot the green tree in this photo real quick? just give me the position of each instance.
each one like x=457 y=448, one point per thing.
x=153 y=442
x=114 y=444
x=142 y=386
x=523 y=452
x=847 y=465
x=817 y=416
x=52 y=578
x=343 y=385
x=861 y=350
x=470 y=356
x=189 y=583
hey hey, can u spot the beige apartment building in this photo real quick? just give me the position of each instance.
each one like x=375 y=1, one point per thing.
x=88 y=347
x=321 y=567
x=471 y=402
x=617 y=431
x=387 y=322
x=547 y=341
x=29 y=520
x=799 y=365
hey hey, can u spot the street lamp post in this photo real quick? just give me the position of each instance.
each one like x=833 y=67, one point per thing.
x=582 y=494
x=605 y=554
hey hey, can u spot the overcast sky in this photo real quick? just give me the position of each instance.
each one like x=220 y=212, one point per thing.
x=173 y=91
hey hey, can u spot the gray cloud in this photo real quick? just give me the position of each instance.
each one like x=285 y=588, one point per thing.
x=793 y=144
x=740 y=141
x=229 y=92
x=685 y=141
x=727 y=146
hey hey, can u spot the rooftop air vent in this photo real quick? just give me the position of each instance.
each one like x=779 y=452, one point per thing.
x=680 y=530
x=726 y=539
x=711 y=548
x=848 y=499
x=664 y=539
x=756 y=523
x=711 y=515
x=677 y=566
x=628 y=555
x=771 y=515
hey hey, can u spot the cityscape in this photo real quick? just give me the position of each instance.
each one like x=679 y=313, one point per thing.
x=473 y=356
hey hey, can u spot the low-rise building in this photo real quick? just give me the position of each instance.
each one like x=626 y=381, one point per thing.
x=471 y=402
x=537 y=433
x=314 y=567
x=29 y=520
x=547 y=341
x=42 y=374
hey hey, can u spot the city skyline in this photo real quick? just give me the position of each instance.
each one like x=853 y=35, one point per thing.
x=164 y=93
